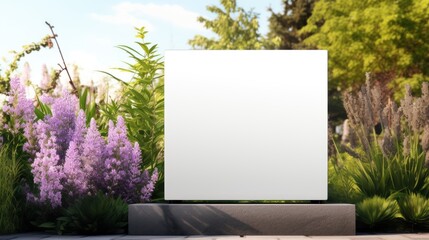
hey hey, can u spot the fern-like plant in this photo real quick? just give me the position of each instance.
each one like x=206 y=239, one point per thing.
x=98 y=214
x=414 y=209
x=376 y=210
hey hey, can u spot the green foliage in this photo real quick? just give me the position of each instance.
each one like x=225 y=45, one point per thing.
x=352 y=179
x=341 y=186
x=92 y=215
x=372 y=178
x=408 y=173
x=42 y=110
x=385 y=176
x=376 y=210
x=414 y=82
x=376 y=36
x=414 y=209
x=87 y=103
x=142 y=105
x=10 y=173
x=285 y=26
x=235 y=28
x=375 y=168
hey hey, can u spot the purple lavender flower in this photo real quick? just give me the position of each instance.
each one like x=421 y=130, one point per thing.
x=76 y=181
x=122 y=174
x=47 y=99
x=45 y=84
x=63 y=120
x=48 y=174
x=120 y=167
x=149 y=185
x=72 y=160
x=135 y=166
x=80 y=129
x=19 y=108
x=31 y=145
x=92 y=155
x=26 y=74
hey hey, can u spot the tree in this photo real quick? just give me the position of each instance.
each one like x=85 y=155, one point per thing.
x=285 y=26
x=235 y=29
x=385 y=37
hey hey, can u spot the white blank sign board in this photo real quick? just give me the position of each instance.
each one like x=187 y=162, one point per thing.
x=246 y=125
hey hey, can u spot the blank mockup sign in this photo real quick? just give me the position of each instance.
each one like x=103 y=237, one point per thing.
x=246 y=125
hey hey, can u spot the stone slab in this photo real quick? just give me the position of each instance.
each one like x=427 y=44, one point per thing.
x=242 y=219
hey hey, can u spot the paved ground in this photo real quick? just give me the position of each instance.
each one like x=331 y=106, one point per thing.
x=39 y=236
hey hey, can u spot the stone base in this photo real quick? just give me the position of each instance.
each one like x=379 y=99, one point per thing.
x=241 y=219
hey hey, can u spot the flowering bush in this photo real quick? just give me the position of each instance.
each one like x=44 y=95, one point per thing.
x=69 y=159
x=143 y=106
x=19 y=109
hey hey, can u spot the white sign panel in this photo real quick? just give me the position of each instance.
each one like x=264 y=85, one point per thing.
x=246 y=125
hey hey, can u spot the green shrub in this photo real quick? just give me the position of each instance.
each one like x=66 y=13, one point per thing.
x=372 y=178
x=143 y=105
x=98 y=214
x=10 y=173
x=414 y=209
x=385 y=176
x=341 y=186
x=376 y=210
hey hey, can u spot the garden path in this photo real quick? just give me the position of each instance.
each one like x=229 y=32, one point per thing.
x=39 y=236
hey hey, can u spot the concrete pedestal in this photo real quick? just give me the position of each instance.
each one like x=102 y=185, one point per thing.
x=241 y=219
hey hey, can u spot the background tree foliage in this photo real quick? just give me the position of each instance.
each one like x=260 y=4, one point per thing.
x=235 y=28
x=385 y=37
x=238 y=29
x=285 y=26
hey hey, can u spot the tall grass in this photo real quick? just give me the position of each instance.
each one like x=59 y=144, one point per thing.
x=386 y=154
x=10 y=172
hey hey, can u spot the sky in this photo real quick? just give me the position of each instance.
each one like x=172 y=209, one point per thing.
x=88 y=31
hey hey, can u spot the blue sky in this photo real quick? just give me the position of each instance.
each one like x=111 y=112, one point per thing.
x=89 y=30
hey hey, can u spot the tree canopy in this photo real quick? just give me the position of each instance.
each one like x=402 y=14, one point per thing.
x=385 y=37
x=235 y=28
x=285 y=26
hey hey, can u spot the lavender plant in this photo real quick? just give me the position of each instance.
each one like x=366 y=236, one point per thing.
x=69 y=159
x=19 y=110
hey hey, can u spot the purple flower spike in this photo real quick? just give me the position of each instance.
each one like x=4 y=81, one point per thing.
x=20 y=109
x=48 y=174
x=76 y=180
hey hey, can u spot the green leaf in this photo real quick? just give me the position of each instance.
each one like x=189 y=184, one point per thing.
x=83 y=99
x=48 y=225
x=144 y=47
x=39 y=114
x=112 y=76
